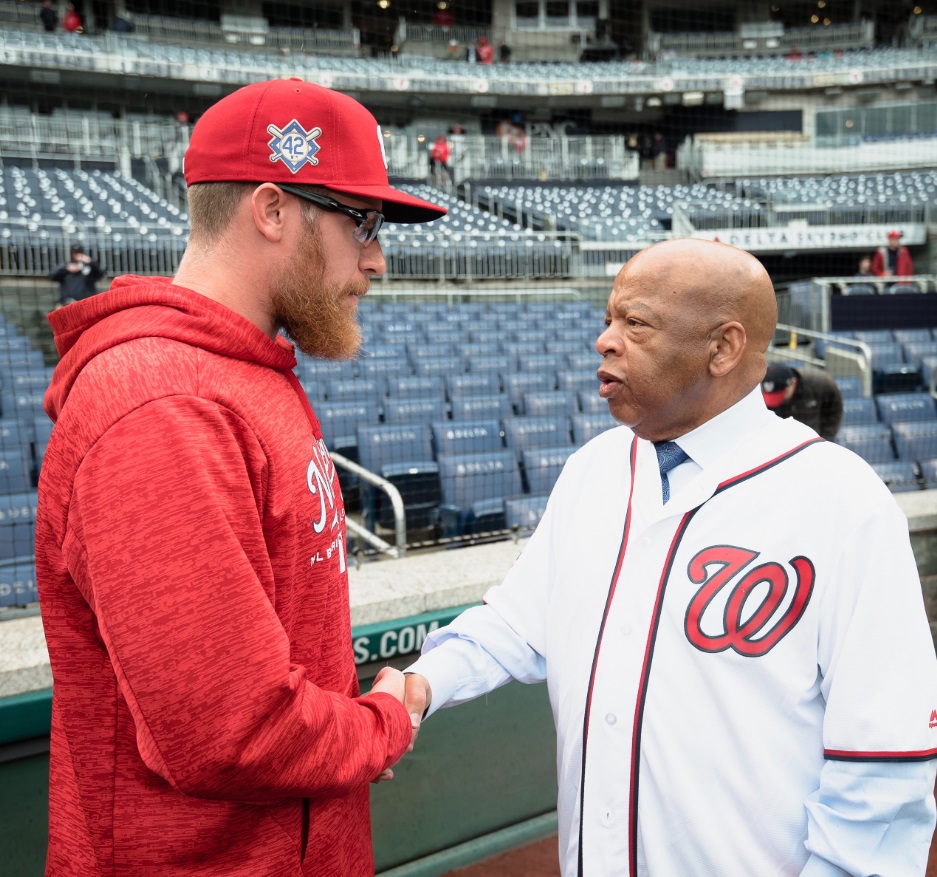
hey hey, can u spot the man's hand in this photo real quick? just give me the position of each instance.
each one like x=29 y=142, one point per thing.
x=417 y=699
x=389 y=681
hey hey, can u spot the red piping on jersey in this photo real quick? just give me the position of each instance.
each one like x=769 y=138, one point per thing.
x=846 y=755
x=598 y=644
x=649 y=652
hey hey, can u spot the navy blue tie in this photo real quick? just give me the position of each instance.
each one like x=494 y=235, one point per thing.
x=669 y=454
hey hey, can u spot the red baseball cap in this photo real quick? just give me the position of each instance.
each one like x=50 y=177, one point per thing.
x=290 y=131
x=894 y=233
x=775 y=383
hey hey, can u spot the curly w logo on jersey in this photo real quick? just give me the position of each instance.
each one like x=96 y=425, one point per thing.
x=746 y=608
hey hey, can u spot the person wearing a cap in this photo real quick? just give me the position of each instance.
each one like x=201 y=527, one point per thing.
x=894 y=260
x=78 y=277
x=805 y=393
x=191 y=542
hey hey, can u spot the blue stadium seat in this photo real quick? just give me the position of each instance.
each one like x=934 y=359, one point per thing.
x=15 y=471
x=441 y=366
x=551 y=403
x=549 y=363
x=928 y=469
x=18 y=526
x=590 y=402
x=899 y=475
x=580 y=379
x=875 y=336
x=584 y=362
x=466 y=437
x=588 y=426
x=872 y=442
x=18 y=584
x=523 y=433
x=542 y=466
x=414 y=410
x=340 y=422
x=850 y=386
x=913 y=336
x=518 y=383
x=915 y=439
x=492 y=406
x=41 y=430
x=403 y=455
x=323 y=369
x=902 y=407
x=491 y=362
x=369 y=390
x=523 y=513
x=382 y=370
x=474 y=489
x=859 y=410
x=415 y=387
x=472 y=384
x=915 y=351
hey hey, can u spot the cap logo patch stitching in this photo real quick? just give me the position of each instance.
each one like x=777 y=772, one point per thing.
x=294 y=145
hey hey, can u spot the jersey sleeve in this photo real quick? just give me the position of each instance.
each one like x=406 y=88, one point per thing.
x=165 y=541
x=876 y=654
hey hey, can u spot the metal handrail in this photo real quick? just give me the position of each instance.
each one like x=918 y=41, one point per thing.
x=400 y=515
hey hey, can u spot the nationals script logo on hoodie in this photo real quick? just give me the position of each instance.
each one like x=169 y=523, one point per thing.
x=320 y=478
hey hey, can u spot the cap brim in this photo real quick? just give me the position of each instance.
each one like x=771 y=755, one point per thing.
x=398 y=206
x=773 y=400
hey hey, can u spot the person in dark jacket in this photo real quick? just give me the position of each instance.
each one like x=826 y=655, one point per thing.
x=807 y=394
x=77 y=278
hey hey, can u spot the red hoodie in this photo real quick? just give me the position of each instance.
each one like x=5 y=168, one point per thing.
x=192 y=575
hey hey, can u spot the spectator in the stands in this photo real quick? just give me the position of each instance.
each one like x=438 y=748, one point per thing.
x=894 y=260
x=484 y=51
x=78 y=277
x=121 y=22
x=805 y=393
x=864 y=268
x=49 y=16
x=71 y=21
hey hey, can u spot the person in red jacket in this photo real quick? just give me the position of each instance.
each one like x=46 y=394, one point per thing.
x=191 y=542
x=893 y=260
x=71 y=21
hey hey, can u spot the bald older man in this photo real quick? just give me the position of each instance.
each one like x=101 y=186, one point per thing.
x=725 y=608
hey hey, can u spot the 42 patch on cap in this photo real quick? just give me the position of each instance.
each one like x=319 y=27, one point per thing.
x=294 y=145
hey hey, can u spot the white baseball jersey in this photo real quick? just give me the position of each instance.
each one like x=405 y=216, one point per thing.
x=708 y=659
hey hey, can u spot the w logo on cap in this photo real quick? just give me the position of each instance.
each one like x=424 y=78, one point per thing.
x=293 y=145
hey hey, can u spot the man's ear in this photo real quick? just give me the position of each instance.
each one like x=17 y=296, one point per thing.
x=727 y=346
x=267 y=210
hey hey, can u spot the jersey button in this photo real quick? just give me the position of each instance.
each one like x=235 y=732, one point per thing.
x=611 y=718
x=627 y=629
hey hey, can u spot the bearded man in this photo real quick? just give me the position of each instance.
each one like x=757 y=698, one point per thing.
x=191 y=554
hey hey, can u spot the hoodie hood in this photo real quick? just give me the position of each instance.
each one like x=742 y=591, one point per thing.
x=152 y=307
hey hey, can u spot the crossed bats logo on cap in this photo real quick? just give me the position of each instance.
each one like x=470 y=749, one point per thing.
x=294 y=145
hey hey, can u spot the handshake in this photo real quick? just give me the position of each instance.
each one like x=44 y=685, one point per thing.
x=413 y=691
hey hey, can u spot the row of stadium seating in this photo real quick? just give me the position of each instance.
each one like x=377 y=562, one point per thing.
x=46 y=205
x=29 y=46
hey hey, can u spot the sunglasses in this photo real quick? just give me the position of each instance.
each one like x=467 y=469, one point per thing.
x=367 y=222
